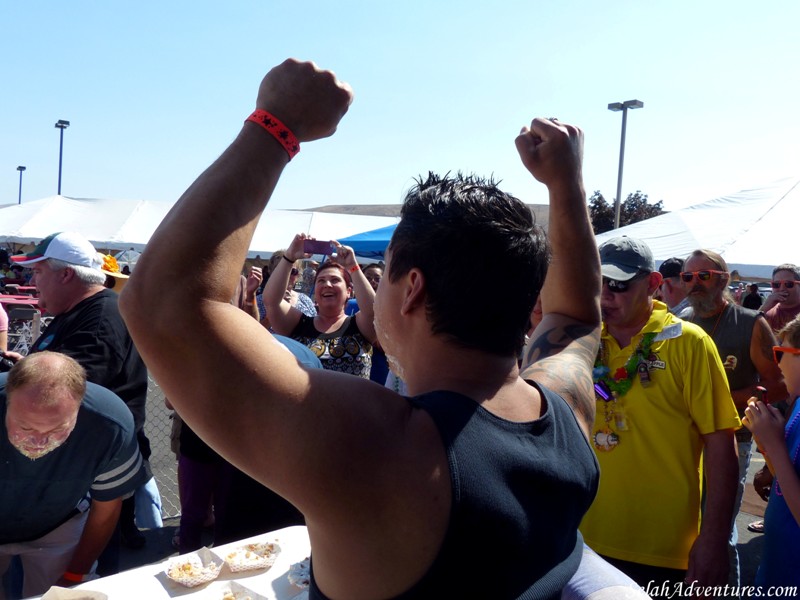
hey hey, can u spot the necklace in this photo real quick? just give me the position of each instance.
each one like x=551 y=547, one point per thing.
x=622 y=380
x=611 y=389
x=716 y=323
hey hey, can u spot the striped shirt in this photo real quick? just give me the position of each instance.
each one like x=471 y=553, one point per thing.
x=100 y=459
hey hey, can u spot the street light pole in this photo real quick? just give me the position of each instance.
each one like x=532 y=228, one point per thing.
x=20 y=169
x=616 y=107
x=62 y=125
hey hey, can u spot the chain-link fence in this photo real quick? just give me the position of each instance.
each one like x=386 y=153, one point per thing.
x=157 y=427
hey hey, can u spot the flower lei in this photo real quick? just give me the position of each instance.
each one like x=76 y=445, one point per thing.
x=622 y=381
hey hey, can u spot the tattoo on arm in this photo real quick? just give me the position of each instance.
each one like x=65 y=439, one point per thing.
x=581 y=339
x=562 y=359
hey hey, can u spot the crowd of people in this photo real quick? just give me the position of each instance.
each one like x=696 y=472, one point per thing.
x=592 y=435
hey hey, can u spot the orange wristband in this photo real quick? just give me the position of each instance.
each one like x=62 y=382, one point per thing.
x=277 y=130
x=73 y=577
x=354 y=268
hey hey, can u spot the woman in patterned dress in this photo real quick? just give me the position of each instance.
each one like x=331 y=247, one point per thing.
x=342 y=343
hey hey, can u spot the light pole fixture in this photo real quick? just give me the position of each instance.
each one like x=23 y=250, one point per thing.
x=616 y=107
x=62 y=125
x=20 y=169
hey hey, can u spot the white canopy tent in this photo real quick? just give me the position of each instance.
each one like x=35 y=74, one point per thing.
x=128 y=224
x=753 y=230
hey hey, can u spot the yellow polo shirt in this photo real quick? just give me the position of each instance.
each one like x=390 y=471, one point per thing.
x=647 y=508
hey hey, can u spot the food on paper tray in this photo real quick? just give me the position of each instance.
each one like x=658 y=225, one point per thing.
x=194 y=569
x=252 y=556
x=300 y=573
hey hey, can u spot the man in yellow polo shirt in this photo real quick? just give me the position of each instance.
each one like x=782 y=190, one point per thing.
x=667 y=405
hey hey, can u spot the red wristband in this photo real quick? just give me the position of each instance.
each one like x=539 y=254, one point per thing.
x=354 y=268
x=277 y=130
x=73 y=577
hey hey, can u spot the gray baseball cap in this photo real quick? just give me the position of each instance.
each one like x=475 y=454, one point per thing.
x=621 y=258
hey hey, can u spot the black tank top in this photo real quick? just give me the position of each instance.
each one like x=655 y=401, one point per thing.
x=732 y=331
x=519 y=493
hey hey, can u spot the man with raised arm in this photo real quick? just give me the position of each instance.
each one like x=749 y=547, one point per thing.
x=399 y=494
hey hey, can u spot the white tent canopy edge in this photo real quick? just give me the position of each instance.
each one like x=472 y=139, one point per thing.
x=752 y=229
x=128 y=224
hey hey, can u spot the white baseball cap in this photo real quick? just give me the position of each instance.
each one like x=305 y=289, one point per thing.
x=70 y=247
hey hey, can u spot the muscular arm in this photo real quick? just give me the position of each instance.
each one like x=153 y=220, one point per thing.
x=563 y=347
x=770 y=376
x=256 y=404
x=103 y=517
x=561 y=355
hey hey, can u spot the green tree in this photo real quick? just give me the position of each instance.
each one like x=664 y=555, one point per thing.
x=635 y=208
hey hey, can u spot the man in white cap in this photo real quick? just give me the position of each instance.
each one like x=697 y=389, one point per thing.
x=67 y=272
x=662 y=402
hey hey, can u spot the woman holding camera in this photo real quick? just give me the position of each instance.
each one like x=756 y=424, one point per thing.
x=341 y=343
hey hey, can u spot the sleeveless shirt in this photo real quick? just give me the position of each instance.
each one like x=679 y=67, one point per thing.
x=519 y=492
x=345 y=350
x=732 y=336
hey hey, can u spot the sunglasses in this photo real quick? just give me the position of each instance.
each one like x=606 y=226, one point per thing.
x=778 y=352
x=688 y=276
x=295 y=271
x=620 y=287
x=776 y=285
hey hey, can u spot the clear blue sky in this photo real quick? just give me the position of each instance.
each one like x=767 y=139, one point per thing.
x=154 y=92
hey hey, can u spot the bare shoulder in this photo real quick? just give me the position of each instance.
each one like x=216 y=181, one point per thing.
x=402 y=496
x=560 y=355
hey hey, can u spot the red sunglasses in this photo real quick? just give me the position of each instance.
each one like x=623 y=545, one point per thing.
x=704 y=275
x=776 y=285
x=778 y=352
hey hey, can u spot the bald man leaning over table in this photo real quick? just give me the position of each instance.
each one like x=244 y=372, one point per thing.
x=68 y=455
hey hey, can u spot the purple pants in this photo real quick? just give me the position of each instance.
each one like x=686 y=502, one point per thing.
x=201 y=484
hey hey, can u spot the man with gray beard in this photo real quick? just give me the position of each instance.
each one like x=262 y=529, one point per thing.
x=59 y=502
x=744 y=341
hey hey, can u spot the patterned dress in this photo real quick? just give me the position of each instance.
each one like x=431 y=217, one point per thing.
x=345 y=350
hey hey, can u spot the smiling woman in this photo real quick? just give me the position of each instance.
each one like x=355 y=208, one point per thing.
x=342 y=343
